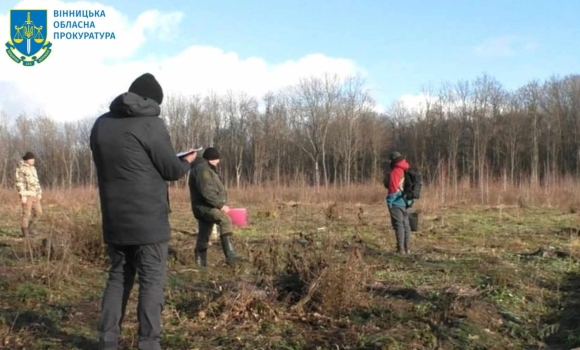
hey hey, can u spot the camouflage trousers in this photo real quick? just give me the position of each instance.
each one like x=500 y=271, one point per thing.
x=31 y=208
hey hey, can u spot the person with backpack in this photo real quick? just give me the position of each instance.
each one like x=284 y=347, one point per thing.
x=403 y=186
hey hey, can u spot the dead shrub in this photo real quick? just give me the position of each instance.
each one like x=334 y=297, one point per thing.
x=314 y=280
x=238 y=300
x=56 y=247
x=75 y=232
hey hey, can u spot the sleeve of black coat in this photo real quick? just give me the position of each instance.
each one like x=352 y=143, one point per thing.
x=158 y=146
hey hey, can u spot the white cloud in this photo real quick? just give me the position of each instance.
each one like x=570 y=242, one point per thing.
x=505 y=46
x=81 y=76
x=379 y=108
x=417 y=103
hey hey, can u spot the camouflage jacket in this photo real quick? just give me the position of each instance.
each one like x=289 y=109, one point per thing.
x=206 y=187
x=27 y=182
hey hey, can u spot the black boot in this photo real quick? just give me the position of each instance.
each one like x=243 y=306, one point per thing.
x=228 y=248
x=201 y=258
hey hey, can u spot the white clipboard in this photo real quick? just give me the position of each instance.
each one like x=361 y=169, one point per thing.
x=184 y=153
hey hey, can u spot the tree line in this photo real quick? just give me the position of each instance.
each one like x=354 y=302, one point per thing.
x=324 y=131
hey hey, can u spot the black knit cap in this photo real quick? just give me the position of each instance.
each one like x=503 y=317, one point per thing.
x=28 y=156
x=211 y=154
x=147 y=86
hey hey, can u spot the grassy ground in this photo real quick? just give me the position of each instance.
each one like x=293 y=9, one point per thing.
x=319 y=276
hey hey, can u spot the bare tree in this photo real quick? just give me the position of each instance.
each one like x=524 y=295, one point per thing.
x=240 y=109
x=313 y=104
x=531 y=95
x=323 y=130
x=354 y=103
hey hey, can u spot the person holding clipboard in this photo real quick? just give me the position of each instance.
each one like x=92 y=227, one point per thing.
x=135 y=158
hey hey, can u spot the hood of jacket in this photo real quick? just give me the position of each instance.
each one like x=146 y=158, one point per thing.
x=402 y=164
x=129 y=105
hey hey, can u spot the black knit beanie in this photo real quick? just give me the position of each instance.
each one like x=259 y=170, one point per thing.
x=28 y=156
x=211 y=154
x=148 y=87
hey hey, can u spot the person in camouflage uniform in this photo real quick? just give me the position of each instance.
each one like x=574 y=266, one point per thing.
x=30 y=192
x=208 y=202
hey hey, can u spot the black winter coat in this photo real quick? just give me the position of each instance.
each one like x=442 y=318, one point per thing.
x=134 y=158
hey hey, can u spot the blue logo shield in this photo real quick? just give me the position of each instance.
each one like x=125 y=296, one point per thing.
x=28 y=30
x=28 y=36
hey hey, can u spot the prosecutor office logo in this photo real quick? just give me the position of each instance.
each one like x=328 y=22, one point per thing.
x=28 y=33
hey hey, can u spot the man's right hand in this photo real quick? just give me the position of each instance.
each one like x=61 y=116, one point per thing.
x=23 y=199
x=190 y=157
x=225 y=209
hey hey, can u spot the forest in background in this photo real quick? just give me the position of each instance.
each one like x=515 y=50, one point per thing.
x=324 y=131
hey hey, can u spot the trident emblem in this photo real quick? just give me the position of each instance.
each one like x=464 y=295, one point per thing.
x=24 y=28
x=30 y=30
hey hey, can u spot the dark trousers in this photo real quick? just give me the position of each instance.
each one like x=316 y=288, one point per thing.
x=149 y=262
x=206 y=223
x=400 y=222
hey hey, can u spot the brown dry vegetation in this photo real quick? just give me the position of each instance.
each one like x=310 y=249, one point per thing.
x=321 y=273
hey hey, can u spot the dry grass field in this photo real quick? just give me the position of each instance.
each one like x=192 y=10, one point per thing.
x=489 y=270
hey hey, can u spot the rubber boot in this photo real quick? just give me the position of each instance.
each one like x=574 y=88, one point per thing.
x=201 y=258
x=228 y=248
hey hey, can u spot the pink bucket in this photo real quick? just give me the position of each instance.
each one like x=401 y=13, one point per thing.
x=239 y=216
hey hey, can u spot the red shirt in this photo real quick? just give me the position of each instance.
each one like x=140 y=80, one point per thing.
x=397 y=177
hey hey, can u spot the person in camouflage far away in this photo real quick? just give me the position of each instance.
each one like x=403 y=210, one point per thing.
x=30 y=192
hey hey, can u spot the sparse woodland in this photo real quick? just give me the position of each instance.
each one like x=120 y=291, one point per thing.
x=494 y=264
x=324 y=132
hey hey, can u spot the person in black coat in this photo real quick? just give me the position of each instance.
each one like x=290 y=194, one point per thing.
x=134 y=159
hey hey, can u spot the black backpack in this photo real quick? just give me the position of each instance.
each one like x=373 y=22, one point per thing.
x=412 y=185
